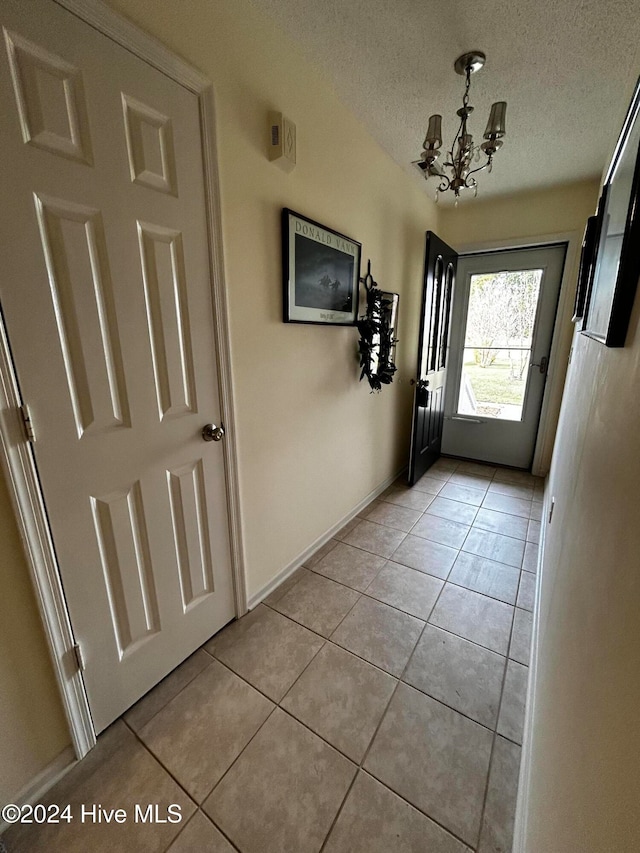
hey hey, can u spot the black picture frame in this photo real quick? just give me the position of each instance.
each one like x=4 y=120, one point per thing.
x=587 y=266
x=617 y=253
x=320 y=273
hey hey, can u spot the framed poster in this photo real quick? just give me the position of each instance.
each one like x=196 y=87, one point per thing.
x=617 y=252
x=585 y=274
x=321 y=273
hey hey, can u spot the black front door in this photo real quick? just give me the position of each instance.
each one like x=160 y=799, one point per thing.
x=428 y=402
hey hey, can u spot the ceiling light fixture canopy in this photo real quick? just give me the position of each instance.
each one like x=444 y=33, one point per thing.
x=456 y=173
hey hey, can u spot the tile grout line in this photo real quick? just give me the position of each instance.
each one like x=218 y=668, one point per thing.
x=329 y=640
x=479 y=592
x=507 y=658
x=332 y=746
x=472 y=642
x=158 y=761
x=373 y=737
x=399 y=680
x=340 y=808
x=496 y=733
x=309 y=729
x=426 y=512
x=457 y=710
x=184 y=686
x=386 y=672
x=446 y=517
x=182 y=829
x=417 y=809
x=278 y=705
x=495 y=737
x=360 y=767
x=197 y=803
x=213 y=823
x=251 y=739
x=429 y=817
x=519 y=588
x=379 y=600
x=382 y=718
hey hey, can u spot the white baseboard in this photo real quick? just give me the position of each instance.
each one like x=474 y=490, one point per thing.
x=46 y=779
x=295 y=564
x=524 y=783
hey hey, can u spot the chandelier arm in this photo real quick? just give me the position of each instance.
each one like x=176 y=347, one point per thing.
x=480 y=168
x=457 y=136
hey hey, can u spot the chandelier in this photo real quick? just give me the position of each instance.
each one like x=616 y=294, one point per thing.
x=456 y=173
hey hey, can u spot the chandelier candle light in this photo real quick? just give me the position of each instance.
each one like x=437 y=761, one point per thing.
x=456 y=173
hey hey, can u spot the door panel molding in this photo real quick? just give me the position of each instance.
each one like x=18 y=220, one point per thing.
x=99 y=401
x=427 y=419
x=16 y=454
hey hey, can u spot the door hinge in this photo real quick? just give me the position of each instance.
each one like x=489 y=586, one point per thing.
x=27 y=424
x=77 y=651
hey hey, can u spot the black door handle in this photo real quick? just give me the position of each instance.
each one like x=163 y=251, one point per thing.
x=422 y=393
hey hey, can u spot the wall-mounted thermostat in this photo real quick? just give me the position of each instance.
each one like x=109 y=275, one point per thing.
x=282 y=139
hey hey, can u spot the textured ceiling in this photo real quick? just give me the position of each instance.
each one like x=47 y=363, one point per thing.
x=566 y=68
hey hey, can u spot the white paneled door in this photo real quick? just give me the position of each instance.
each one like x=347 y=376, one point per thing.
x=106 y=294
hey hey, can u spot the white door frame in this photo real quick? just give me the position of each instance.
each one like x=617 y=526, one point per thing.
x=16 y=453
x=555 y=376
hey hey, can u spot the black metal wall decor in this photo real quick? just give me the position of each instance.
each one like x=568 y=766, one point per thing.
x=377 y=329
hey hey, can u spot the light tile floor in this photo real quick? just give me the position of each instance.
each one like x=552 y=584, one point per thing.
x=373 y=703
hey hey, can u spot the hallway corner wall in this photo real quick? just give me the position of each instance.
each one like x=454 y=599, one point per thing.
x=584 y=772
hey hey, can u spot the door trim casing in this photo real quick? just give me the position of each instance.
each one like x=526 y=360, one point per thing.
x=31 y=515
x=16 y=455
x=556 y=372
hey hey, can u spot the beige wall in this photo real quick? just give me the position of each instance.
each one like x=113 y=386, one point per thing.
x=33 y=730
x=585 y=774
x=312 y=441
x=529 y=216
x=556 y=210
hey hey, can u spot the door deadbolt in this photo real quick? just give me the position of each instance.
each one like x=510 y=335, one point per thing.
x=211 y=432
